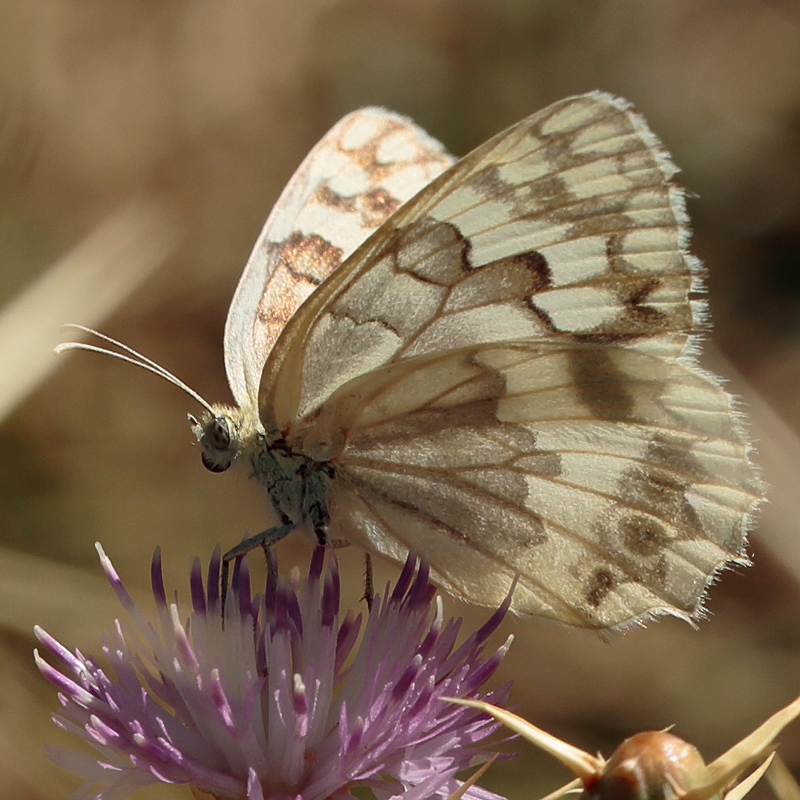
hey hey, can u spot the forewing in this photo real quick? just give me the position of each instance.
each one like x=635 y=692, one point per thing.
x=565 y=226
x=363 y=169
x=613 y=481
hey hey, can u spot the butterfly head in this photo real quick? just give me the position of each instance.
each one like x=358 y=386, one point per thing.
x=224 y=434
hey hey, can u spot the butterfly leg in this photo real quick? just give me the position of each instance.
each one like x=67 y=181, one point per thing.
x=315 y=510
x=369 y=589
x=265 y=540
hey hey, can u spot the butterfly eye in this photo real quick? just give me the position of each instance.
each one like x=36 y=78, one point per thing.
x=218 y=434
x=214 y=466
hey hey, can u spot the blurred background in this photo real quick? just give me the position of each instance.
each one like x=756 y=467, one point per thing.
x=142 y=145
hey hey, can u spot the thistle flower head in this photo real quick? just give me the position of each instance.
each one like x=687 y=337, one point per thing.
x=278 y=702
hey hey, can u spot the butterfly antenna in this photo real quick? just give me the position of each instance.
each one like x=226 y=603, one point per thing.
x=133 y=357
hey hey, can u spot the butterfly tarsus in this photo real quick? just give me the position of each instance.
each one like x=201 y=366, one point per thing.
x=369 y=588
x=272 y=569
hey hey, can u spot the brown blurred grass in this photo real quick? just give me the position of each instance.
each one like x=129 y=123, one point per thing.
x=208 y=107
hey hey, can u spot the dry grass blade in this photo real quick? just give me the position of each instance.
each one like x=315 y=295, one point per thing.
x=87 y=284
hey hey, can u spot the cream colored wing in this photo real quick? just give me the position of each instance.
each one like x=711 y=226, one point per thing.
x=501 y=378
x=362 y=170
x=566 y=224
x=613 y=481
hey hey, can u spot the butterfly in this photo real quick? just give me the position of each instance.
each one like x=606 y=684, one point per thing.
x=490 y=361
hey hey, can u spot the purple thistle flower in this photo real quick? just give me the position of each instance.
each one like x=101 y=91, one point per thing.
x=265 y=706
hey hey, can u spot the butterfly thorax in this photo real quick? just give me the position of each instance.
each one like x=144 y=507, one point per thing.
x=296 y=484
